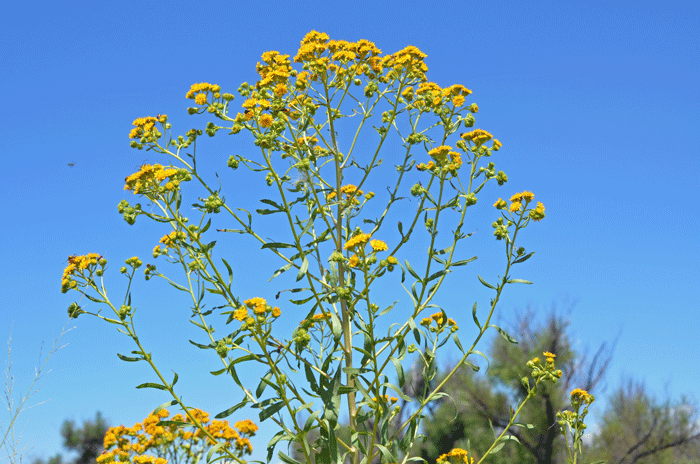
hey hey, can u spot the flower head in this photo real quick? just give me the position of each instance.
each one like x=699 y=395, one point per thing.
x=378 y=245
x=477 y=136
x=360 y=239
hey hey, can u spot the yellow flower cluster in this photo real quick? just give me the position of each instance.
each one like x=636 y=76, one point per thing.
x=378 y=245
x=161 y=441
x=360 y=239
x=517 y=200
x=461 y=455
x=201 y=89
x=439 y=321
x=310 y=141
x=353 y=261
x=477 y=136
x=257 y=304
x=444 y=158
x=386 y=399
x=349 y=191
x=581 y=396
x=346 y=60
x=275 y=70
x=148 y=178
x=77 y=264
x=145 y=127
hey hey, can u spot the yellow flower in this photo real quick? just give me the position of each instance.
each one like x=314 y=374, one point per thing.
x=266 y=120
x=280 y=90
x=258 y=305
x=455 y=453
x=392 y=260
x=496 y=145
x=246 y=427
x=360 y=239
x=500 y=204
x=200 y=99
x=515 y=206
x=201 y=87
x=352 y=262
x=538 y=213
x=144 y=127
x=458 y=101
x=529 y=196
x=241 y=314
x=276 y=312
x=439 y=154
x=378 y=245
x=478 y=136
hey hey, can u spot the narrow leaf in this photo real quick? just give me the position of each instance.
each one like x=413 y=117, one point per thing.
x=486 y=283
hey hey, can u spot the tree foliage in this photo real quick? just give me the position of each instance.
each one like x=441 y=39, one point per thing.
x=87 y=441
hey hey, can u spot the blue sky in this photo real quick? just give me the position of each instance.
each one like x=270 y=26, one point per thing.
x=595 y=104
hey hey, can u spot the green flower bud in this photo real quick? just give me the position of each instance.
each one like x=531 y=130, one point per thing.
x=122 y=269
x=336 y=257
x=221 y=348
x=99 y=272
x=74 y=311
x=102 y=262
x=471 y=199
x=417 y=190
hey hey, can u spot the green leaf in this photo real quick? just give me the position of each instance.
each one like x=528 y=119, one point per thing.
x=214 y=450
x=230 y=272
x=128 y=359
x=261 y=386
x=523 y=258
x=269 y=411
x=437 y=274
x=174 y=380
x=384 y=311
x=152 y=385
x=272 y=203
x=163 y=406
x=303 y=269
x=311 y=378
x=287 y=459
x=463 y=262
x=486 y=283
x=266 y=211
x=474 y=316
x=336 y=326
x=279 y=271
x=275 y=245
x=457 y=342
x=206 y=227
x=413 y=273
x=179 y=287
x=518 y=281
x=399 y=371
x=232 y=409
x=504 y=334
x=416 y=332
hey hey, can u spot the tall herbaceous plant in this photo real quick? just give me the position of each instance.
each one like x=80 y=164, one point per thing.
x=303 y=157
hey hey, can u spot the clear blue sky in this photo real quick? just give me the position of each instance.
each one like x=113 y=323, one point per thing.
x=597 y=105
